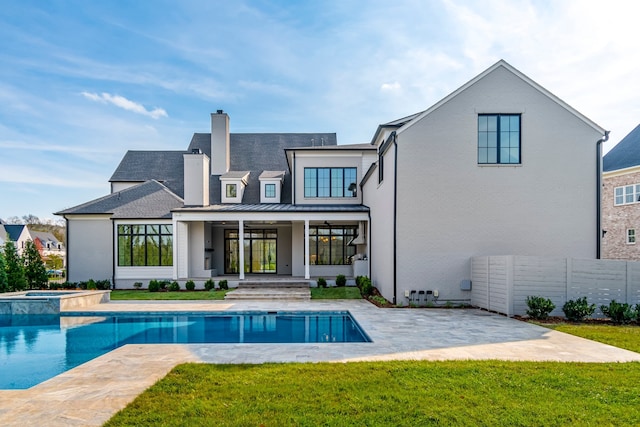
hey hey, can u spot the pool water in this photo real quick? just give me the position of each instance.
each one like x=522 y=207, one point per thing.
x=34 y=348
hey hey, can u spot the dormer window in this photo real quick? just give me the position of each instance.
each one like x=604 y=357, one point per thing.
x=232 y=190
x=232 y=186
x=271 y=186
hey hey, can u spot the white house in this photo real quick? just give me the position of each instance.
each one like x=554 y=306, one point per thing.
x=500 y=166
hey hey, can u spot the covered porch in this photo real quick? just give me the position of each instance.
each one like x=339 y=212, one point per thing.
x=270 y=244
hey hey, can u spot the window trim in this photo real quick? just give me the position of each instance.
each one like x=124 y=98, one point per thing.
x=635 y=193
x=144 y=244
x=498 y=132
x=229 y=186
x=631 y=236
x=312 y=175
x=267 y=193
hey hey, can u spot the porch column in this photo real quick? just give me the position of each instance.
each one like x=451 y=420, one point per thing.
x=306 y=249
x=180 y=250
x=241 y=249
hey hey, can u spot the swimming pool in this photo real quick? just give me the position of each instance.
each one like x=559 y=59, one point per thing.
x=34 y=348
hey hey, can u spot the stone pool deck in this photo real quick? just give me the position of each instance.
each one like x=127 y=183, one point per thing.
x=91 y=393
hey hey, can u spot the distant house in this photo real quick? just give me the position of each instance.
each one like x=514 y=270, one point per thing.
x=3 y=233
x=500 y=166
x=46 y=242
x=621 y=199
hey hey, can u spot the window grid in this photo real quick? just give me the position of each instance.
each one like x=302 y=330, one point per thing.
x=627 y=194
x=499 y=139
x=631 y=236
x=141 y=245
x=329 y=182
x=270 y=191
x=330 y=245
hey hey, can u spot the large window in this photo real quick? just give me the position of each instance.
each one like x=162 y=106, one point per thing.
x=329 y=245
x=329 y=182
x=627 y=194
x=499 y=139
x=145 y=245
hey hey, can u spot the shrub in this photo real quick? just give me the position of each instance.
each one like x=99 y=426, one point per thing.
x=341 y=280
x=359 y=280
x=321 y=282
x=103 y=285
x=366 y=288
x=137 y=285
x=154 y=286
x=174 y=286
x=619 y=313
x=164 y=284
x=209 y=285
x=91 y=285
x=577 y=310
x=190 y=285
x=539 y=308
x=223 y=284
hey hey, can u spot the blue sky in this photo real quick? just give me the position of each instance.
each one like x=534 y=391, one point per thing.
x=81 y=82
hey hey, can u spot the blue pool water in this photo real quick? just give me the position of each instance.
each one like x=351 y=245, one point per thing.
x=34 y=348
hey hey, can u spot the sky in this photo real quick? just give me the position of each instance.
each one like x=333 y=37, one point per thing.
x=82 y=82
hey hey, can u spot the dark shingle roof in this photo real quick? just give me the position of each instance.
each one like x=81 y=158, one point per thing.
x=258 y=152
x=14 y=231
x=147 y=200
x=625 y=154
x=166 y=167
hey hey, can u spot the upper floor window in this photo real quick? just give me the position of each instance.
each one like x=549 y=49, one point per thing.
x=627 y=194
x=329 y=182
x=499 y=139
x=270 y=191
x=232 y=190
x=380 y=167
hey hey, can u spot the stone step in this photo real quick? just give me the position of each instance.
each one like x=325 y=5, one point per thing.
x=268 y=293
x=260 y=284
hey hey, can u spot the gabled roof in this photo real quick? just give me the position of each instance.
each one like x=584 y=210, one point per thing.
x=625 y=154
x=500 y=64
x=258 y=152
x=394 y=124
x=166 y=167
x=14 y=231
x=44 y=236
x=147 y=200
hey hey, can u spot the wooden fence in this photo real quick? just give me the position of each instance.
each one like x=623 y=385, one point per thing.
x=503 y=283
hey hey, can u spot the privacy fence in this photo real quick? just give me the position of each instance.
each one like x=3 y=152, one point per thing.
x=503 y=283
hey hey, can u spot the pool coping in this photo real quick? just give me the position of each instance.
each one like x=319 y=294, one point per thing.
x=101 y=387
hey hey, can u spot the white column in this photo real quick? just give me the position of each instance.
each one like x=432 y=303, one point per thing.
x=180 y=250
x=306 y=249
x=241 y=248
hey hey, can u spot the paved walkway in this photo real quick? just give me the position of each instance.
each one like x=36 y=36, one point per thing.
x=91 y=393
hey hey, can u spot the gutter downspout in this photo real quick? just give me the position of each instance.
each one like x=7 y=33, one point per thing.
x=395 y=217
x=293 y=181
x=605 y=138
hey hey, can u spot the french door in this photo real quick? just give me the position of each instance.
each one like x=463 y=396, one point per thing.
x=260 y=249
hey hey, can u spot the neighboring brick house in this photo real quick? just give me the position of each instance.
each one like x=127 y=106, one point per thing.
x=621 y=199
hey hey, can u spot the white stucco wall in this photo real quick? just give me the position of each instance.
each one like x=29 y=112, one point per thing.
x=379 y=198
x=89 y=248
x=451 y=209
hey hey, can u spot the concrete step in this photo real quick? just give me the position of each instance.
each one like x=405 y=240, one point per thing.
x=276 y=284
x=269 y=293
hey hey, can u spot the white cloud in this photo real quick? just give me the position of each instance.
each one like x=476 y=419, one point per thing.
x=390 y=87
x=126 y=104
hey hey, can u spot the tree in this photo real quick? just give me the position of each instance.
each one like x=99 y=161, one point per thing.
x=4 y=283
x=54 y=262
x=34 y=270
x=14 y=267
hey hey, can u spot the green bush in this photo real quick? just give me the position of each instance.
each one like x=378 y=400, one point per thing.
x=366 y=288
x=209 y=285
x=359 y=280
x=322 y=283
x=539 y=308
x=91 y=285
x=103 y=285
x=164 y=284
x=341 y=280
x=137 y=285
x=190 y=285
x=577 y=310
x=223 y=284
x=154 y=286
x=619 y=313
x=174 y=286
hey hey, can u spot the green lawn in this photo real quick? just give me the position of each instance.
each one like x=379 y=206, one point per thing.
x=141 y=294
x=623 y=336
x=316 y=293
x=336 y=293
x=489 y=393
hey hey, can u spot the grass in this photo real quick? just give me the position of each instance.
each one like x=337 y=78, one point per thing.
x=404 y=393
x=119 y=295
x=316 y=293
x=347 y=292
x=622 y=336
